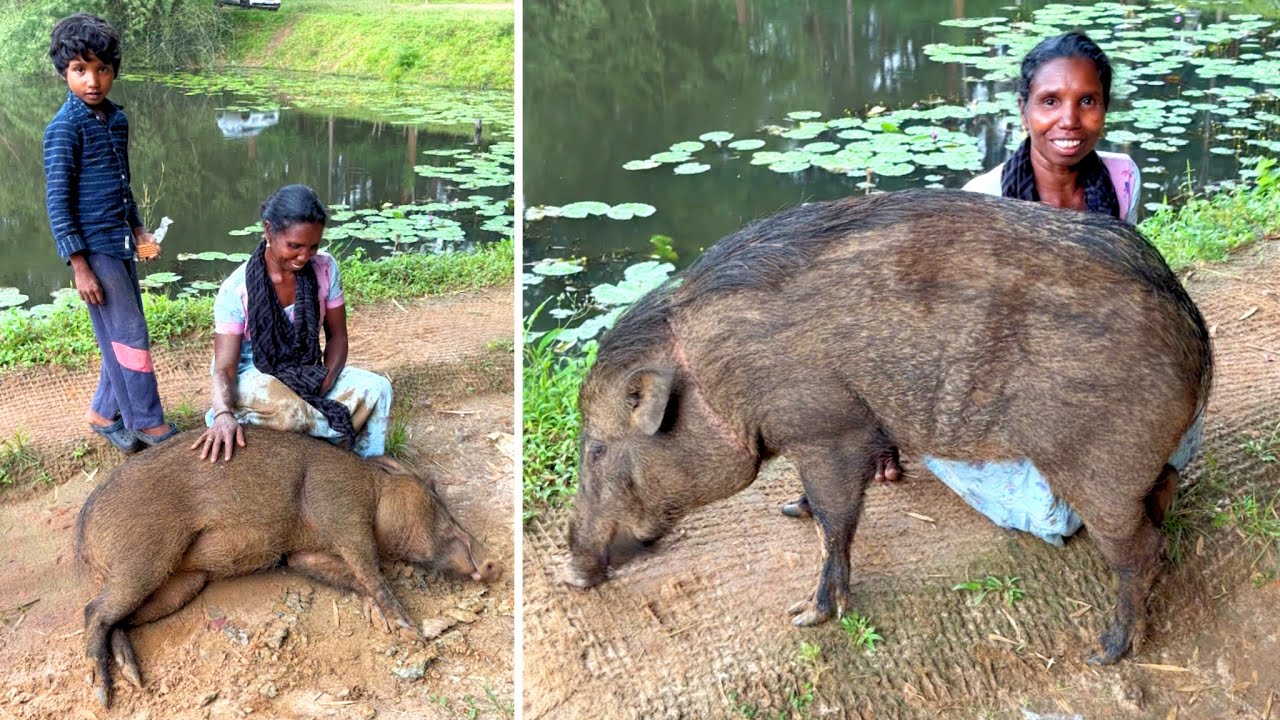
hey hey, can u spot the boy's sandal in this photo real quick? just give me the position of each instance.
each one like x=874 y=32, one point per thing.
x=126 y=441
x=153 y=440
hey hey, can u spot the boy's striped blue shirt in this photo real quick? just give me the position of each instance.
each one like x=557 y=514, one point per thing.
x=86 y=170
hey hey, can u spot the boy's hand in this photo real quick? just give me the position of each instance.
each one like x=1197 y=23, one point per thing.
x=88 y=287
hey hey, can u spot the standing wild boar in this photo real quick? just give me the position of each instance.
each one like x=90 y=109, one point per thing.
x=165 y=523
x=944 y=323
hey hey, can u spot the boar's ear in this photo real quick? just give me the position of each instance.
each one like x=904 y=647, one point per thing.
x=648 y=391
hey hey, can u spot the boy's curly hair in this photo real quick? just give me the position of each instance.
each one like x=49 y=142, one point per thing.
x=82 y=35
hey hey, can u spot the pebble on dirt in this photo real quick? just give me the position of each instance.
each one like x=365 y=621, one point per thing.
x=415 y=667
x=433 y=628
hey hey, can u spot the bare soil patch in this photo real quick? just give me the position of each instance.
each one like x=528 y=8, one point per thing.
x=699 y=629
x=278 y=645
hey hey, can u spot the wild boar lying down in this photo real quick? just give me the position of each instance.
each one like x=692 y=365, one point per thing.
x=944 y=323
x=165 y=523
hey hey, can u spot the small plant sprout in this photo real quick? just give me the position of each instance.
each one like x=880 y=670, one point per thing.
x=1263 y=448
x=1006 y=588
x=861 y=631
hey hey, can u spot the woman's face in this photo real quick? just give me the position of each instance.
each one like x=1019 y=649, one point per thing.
x=292 y=248
x=1063 y=112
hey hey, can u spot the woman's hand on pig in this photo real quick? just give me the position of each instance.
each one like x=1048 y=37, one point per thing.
x=219 y=436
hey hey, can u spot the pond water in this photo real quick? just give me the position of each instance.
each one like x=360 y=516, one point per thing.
x=205 y=151
x=825 y=90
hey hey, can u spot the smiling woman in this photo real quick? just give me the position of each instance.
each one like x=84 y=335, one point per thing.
x=281 y=297
x=1063 y=93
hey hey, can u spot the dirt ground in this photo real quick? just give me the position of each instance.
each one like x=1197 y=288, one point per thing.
x=699 y=629
x=277 y=645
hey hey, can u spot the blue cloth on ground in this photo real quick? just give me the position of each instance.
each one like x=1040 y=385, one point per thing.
x=1013 y=494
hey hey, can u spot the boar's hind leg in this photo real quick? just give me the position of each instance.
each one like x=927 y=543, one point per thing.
x=834 y=477
x=171 y=597
x=337 y=571
x=112 y=605
x=1132 y=544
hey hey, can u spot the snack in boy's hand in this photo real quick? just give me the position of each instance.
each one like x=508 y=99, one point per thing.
x=146 y=251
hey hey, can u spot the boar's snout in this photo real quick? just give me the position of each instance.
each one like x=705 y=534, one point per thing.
x=463 y=555
x=608 y=546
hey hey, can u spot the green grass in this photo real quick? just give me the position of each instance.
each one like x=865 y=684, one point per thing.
x=19 y=461
x=860 y=631
x=65 y=337
x=551 y=420
x=398 y=40
x=1208 y=228
x=1007 y=588
x=1258 y=523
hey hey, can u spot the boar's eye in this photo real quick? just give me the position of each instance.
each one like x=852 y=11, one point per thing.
x=595 y=451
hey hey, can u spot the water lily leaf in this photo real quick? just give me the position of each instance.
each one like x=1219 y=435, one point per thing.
x=670 y=156
x=637 y=280
x=238 y=257
x=691 y=168
x=821 y=147
x=584 y=208
x=688 y=146
x=626 y=211
x=789 y=166
x=11 y=297
x=747 y=144
x=804 y=114
x=972 y=22
x=641 y=164
x=716 y=136
x=556 y=267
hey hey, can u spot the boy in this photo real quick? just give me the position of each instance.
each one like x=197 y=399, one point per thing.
x=97 y=228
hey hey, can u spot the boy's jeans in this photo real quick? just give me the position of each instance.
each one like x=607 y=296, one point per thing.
x=126 y=380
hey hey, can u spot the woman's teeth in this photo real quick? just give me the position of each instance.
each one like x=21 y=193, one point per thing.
x=1066 y=144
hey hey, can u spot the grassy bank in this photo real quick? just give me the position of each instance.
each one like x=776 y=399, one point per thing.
x=399 y=40
x=63 y=336
x=1203 y=229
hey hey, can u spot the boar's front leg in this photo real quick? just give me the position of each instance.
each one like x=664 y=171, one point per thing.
x=834 y=476
x=336 y=571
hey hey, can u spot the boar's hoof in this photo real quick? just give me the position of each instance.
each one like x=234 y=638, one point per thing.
x=807 y=613
x=104 y=696
x=1115 y=642
x=797 y=507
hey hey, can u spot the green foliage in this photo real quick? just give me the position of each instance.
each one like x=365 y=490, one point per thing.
x=409 y=42
x=1006 y=588
x=64 y=336
x=418 y=274
x=551 y=419
x=1258 y=523
x=154 y=33
x=860 y=631
x=1263 y=448
x=61 y=334
x=1209 y=227
x=17 y=459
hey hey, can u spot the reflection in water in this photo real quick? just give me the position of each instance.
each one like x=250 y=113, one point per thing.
x=210 y=177
x=607 y=83
x=244 y=124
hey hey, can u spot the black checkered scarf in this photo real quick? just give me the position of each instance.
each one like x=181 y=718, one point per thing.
x=290 y=351
x=1018 y=180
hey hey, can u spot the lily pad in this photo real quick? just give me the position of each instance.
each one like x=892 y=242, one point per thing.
x=716 y=136
x=688 y=146
x=11 y=297
x=691 y=168
x=641 y=164
x=555 y=267
x=804 y=114
x=626 y=211
x=584 y=208
x=746 y=144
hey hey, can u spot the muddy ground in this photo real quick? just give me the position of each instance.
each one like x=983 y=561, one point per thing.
x=277 y=645
x=700 y=630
